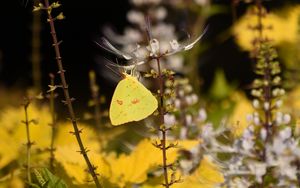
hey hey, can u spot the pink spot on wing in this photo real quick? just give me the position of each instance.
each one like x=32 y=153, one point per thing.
x=135 y=101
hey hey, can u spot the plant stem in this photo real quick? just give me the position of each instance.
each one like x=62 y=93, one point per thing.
x=234 y=3
x=95 y=96
x=36 y=58
x=162 y=122
x=53 y=123
x=68 y=99
x=29 y=143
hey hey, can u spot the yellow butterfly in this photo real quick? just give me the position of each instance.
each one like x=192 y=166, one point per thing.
x=131 y=101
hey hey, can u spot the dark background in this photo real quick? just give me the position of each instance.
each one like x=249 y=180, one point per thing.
x=83 y=23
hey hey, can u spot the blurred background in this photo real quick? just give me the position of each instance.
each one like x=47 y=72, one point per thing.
x=85 y=22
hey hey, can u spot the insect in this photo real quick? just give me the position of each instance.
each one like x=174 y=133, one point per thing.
x=131 y=101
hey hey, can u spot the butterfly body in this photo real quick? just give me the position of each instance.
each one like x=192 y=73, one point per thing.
x=131 y=101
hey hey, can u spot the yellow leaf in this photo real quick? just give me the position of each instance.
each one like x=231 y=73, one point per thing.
x=133 y=168
x=277 y=32
x=237 y=121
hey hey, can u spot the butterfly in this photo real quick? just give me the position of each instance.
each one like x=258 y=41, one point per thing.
x=131 y=101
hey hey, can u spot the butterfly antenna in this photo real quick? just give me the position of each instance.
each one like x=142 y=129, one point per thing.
x=109 y=66
x=148 y=27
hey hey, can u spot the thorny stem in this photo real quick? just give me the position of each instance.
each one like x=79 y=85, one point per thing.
x=68 y=99
x=29 y=143
x=53 y=123
x=95 y=96
x=163 y=130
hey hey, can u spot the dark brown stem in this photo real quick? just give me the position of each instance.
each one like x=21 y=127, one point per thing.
x=36 y=58
x=53 y=122
x=29 y=143
x=68 y=99
x=260 y=25
x=162 y=122
x=95 y=96
x=233 y=10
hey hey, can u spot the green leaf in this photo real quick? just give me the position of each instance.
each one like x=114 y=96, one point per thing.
x=45 y=179
x=220 y=88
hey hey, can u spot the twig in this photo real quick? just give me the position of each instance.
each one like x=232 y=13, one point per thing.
x=162 y=122
x=95 y=95
x=68 y=100
x=29 y=143
x=52 y=97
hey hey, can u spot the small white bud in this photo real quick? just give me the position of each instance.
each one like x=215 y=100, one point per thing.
x=169 y=120
x=180 y=93
x=202 y=115
x=263 y=134
x=256 y=120
x=267 y=105
x=286 y=118
x=189 y=100
x=174 y=44
x=255 y=103
x=279 y=118
x=188 y=119
x=249 y=117
x=177 y=103
x=281 y=91
x=285 y=133
x=153 y=47
x=278 y=103
x=194 y=98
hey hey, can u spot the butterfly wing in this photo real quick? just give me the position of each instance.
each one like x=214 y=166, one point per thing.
x=131 y=101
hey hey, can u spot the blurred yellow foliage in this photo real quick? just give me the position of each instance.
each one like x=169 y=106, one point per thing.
x=237 y=121
x=13 y=132
x=207 y=175
x=133 y=168
x=283 y=28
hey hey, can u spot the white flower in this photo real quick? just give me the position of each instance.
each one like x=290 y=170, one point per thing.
x=207 y=131
x=164 y=31
x=285 y=133
x=279 y=118
x=267 y=105
x=278 y=146
x=202 y=2
x=255 y=103
x=153 y=47
x=258 y=169
x=278 y=103
x=136 y=17
x=177 y=103
x=175 y=63
x=180 y=93
x=249 y=118
x=256 y=120
x=285 y=169
x=160 y=13
x=263 y=134
x=247 y=144
x=239 y=183
x=170 y=120
x=287 y=118
x=189 y=119
x=202 y=116
x=145 y=2
x=174 y=44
